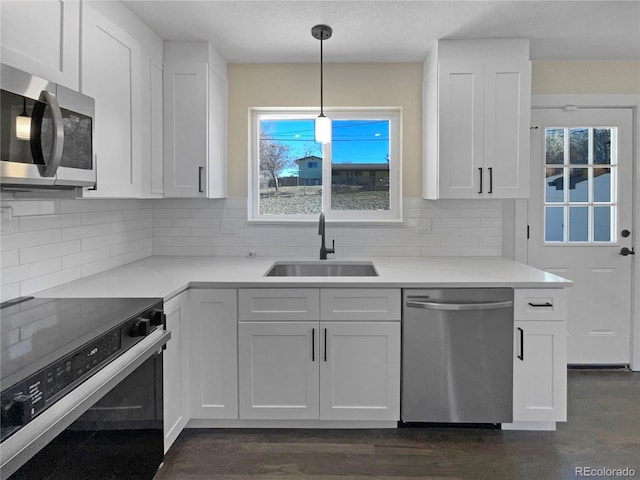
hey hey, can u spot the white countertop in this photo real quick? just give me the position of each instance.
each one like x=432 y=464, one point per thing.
x=166 y=276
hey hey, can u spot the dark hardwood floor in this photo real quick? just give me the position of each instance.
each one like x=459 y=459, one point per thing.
x=602 y=431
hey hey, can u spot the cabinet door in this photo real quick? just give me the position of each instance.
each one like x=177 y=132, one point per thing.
x=42 y=38
x=460 y=105
x=507 y=107
x=111 y=73
x=185 y=129
x=360 y=371
x=278 y=370
x=152 y=129
x=217 y=167
x=214 y=352
x=176 y=370
x=540 y=372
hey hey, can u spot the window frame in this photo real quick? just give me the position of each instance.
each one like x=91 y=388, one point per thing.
x=377 y=217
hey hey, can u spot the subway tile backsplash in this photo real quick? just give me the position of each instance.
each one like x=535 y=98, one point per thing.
x=430 y=228
x=49 y=241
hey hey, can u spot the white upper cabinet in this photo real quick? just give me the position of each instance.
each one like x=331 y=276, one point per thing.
x=476 y=107
x=43 y=38
x=121 y=69
x=195 y=121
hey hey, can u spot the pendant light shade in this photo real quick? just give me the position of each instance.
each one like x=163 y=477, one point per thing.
x=322 y=129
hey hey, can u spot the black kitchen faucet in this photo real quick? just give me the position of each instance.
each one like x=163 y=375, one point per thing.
x=323 y=249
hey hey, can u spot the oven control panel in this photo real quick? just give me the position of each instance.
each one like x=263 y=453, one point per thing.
x=23 y=401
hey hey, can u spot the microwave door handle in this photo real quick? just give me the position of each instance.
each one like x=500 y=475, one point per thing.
x=53 y=162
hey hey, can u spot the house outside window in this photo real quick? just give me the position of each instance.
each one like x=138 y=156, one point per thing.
x=355 y=178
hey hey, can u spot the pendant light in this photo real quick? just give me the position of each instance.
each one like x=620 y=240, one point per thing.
x=23 y=123
x=323 y=123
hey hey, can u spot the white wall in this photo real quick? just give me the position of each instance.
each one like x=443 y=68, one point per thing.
x=49 y=239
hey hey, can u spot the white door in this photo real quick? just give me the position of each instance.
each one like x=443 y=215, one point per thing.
x=539 y=372
x=176 y=370
x=580 y=218
x=278 y=370
x=360 y=371
x=185 y=129
x=111 y=73
x=460 y=104
x=213 y=320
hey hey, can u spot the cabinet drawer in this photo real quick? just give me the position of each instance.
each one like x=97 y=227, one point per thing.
x=278 y=304
x=360 y=304
x=540 y=304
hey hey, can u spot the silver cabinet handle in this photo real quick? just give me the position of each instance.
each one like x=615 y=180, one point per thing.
x=200 y=169
x=313 y=344
x=459 y=306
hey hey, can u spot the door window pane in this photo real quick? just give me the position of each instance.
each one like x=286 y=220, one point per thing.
x=554 y=185
x=578 y=224
x=554 y=146
x=360 y=165
x=590 y=181
x=579 y=146
x=578 y=185
x=602 y=224
x=554 y=224
x=601 y=184
x=602 y=145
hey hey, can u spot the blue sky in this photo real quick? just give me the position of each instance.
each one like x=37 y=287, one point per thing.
x=354 y=141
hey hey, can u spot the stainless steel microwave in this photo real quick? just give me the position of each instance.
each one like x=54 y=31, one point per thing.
x=46 y=133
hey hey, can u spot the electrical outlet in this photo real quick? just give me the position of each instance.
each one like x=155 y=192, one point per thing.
x=228 y=226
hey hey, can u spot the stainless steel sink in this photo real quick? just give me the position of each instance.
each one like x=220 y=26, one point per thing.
x=322 y=268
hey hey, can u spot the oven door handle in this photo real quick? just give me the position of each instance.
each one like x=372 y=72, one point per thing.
x=30 y=439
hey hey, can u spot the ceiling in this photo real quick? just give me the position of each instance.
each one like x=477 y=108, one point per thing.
x=273 y=31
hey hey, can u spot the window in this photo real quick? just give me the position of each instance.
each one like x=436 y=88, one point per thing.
x=580 y=198
x=354 y=178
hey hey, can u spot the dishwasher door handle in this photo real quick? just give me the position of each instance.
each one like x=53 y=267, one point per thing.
x=458 y=306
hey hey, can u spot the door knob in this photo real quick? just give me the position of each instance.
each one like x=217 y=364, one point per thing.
x=624 y=251
x=625 y=233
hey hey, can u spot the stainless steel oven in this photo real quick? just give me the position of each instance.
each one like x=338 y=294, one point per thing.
x=46 y=133
x=82 y=389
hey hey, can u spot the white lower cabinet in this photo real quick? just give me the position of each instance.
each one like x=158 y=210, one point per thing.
x=360 y=371
x=313 y=369
x=325 y=370
x=278 y=370
x=213 y=319
x=176 y=369
x=539 y=359
x=540 y=372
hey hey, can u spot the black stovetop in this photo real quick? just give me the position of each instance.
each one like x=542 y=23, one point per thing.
x=38 y=331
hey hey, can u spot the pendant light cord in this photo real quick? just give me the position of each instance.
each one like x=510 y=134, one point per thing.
x=321 y=81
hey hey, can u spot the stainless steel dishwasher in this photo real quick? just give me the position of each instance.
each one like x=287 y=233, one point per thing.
x=457 y=355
